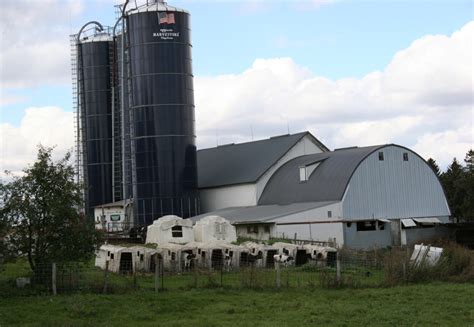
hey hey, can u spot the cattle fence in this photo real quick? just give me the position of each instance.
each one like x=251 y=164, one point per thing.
x=345 y=270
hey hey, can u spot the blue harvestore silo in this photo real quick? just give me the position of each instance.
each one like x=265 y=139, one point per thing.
x=94 y=83
x=162 y=120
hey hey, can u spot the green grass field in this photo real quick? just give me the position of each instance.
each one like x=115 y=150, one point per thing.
x=437 y=304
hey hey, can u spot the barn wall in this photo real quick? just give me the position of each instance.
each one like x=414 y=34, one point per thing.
x=227 y=196
x=303 y=147
x=355 y=239
x=417 y=235
x=261 y=234
x=318 y=214
x=312 y=232
x=394 y=188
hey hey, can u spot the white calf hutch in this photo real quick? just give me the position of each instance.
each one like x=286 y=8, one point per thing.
x=120 y=259
x=214 y=228
x=170 y=229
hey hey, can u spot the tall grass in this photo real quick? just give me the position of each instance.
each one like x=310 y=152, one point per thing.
x=456 y=264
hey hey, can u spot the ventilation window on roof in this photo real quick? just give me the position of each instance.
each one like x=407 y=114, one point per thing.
x=303 y=177
x=405 y=156
x=380 y=156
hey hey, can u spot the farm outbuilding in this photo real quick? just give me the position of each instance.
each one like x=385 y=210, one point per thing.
x=170 y=229
x=359 y=197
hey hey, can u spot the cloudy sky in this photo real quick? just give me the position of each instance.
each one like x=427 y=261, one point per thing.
x=350 y=72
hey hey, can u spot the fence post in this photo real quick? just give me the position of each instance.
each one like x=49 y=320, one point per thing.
x=53 y=278
x=134 y=272
x=278 y=274
x=162 y=270
x=404 y=267
x=195 y=274
x=222 y=272
x=338 y=270
x=106 y=276
x=157 y=274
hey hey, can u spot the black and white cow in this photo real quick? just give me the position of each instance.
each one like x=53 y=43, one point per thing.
x=285 y=259
x=253 y=258
x=228 y=260
x=188 y=259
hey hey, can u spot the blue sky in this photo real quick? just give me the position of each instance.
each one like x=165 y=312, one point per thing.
x=335 y=40
x=323 y=43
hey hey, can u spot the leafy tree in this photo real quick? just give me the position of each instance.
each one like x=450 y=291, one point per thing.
x=41 y=210
x=432 y=163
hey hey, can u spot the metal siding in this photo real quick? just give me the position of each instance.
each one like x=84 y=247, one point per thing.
x=394 y=188
x=319 y=232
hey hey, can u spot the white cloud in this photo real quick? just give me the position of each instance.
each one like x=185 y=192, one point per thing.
x=35 y=41
x=422 y=98
x=49 y=126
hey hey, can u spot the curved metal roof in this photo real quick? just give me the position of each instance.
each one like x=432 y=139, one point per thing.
x=245 y=162
x=328 y=181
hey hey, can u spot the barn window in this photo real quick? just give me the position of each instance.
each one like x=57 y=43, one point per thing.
x=303 y=176
x=329 y=214
x=177 y=231
x=366 y=225
x=266 y=228
x=252 y=229
x=381 y=156
x=114 y=217
x=349 y=225
x=405 y=156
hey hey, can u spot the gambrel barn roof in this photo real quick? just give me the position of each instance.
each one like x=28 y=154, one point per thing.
x=244 y=162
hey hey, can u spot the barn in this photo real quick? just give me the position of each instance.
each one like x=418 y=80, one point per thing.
x=359 y=197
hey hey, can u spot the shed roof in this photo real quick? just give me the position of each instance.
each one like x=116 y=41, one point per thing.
x=327 y=182
x=244 y=162
x=263 y=213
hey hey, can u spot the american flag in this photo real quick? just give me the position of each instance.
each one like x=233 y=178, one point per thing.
x=166 y=18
